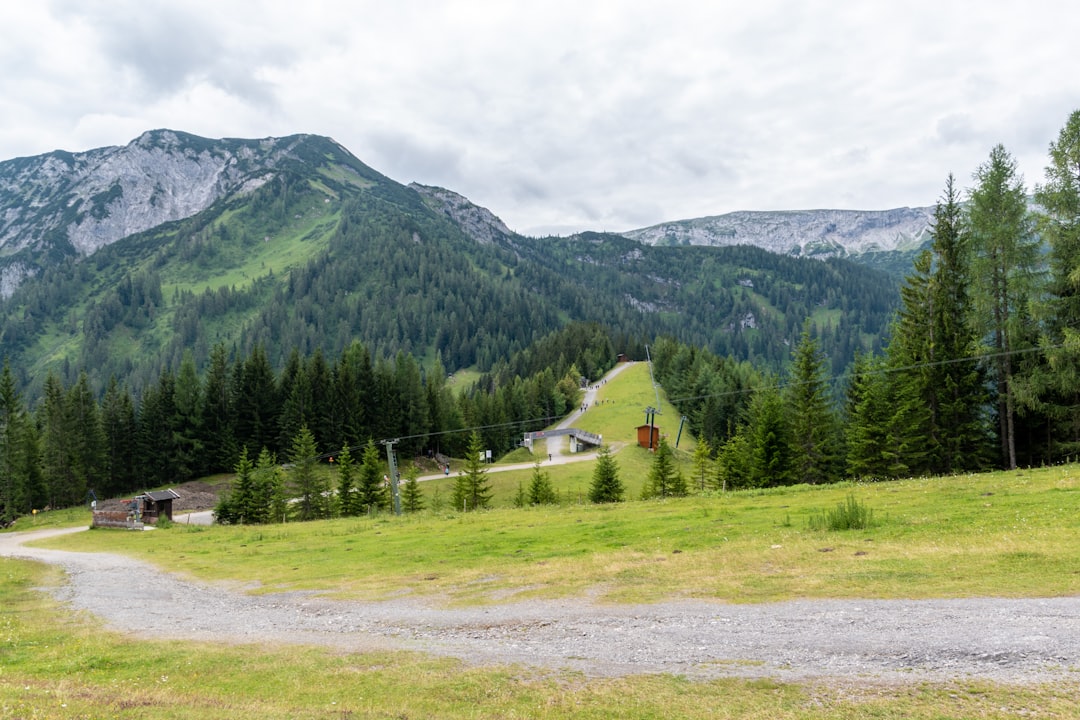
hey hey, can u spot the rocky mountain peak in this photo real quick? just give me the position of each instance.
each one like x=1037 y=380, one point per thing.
x=76 y=203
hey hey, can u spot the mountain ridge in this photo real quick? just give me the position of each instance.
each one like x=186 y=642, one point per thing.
x=62 y=203
x=810 y=233
x=74 y=203
x=301 y=247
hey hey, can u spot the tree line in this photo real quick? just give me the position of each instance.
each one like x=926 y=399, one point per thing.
x=981 y=368
x=187 y=425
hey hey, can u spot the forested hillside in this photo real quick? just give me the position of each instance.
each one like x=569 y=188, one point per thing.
x=982 y=368
x=325 y=251
x=323 y=310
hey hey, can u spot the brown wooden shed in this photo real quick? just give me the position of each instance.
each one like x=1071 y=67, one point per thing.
x=643 y=432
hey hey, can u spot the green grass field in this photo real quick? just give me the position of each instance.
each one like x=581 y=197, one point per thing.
x=1000 y=534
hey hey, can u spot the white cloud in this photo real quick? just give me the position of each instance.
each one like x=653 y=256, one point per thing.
x=602 y=115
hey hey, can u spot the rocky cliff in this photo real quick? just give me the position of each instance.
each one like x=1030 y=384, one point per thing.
x=846 y=233
x=62 y=203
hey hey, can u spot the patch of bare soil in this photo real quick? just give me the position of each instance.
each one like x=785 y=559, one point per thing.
x=194 y=495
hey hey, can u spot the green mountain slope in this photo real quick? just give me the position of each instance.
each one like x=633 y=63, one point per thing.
x=324 y=250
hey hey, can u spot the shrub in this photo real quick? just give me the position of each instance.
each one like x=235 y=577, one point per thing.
x=848 y=515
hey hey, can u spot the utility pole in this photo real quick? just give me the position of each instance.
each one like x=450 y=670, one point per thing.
x=395 y=491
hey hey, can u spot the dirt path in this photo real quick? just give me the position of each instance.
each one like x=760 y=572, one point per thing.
x=1014 y=641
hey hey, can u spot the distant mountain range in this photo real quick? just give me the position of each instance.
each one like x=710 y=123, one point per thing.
x=62 y=203
x=122 y=259
x=810 y=233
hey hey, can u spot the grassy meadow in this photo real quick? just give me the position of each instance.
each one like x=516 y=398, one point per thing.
x=1004 y=534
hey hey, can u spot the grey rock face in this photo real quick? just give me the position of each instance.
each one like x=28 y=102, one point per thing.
x=478 y=223
x=816 y=233
x=77 y=203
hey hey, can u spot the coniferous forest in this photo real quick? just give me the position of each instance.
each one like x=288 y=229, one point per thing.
x=975 y=364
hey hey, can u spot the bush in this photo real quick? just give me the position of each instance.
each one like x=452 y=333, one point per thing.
x=848 y=515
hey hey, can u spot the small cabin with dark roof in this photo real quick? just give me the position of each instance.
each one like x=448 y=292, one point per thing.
x=157 y=504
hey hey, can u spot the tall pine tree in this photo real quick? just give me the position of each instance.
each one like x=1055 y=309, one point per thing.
x=1005 y=255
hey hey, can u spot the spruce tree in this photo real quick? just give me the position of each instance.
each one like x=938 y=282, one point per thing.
x=734 y=462
x=14 y=479
x=118 y=424
x=370 y=486
x=412 y=497
x=217 y=432
x=471 y=489
x=271 y=501
x=814 y=430
x=540 y=490
x=348 y=494
x=661 y=481
x=914 y=438
x=702 y=463
x=1056 y=383
x=606 y=486
x=956 y=383
x=238 y=505
x=1005 y=254
x=310 y=486
x=870 y=452
x=770 y=439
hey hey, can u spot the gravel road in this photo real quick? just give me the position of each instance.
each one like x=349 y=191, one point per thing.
x=1012 y=641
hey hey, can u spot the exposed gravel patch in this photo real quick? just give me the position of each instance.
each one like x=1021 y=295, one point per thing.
x=1001 y=640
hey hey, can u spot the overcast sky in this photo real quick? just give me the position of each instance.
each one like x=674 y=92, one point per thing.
x=567 y=115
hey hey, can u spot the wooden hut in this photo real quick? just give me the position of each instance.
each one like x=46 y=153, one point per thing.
x=157 y=505
x=648 y=436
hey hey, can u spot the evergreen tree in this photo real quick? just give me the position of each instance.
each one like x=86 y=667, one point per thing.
x=734 y=462
x=1005 y=255
x=118 y=424
x=770 y=439
x=190 y=456
x=371 y=489
x=238 y=505
x=310 y=486
x=272 y=503
x=703 y=463
x=662 y=481
x=955 y=389
x=540 y=490
x=412 y=497
x=14 y=468
x=216 y=428
x=60 y=477
x=88 y=461
x=1055 y=387
x=606 y=486
x=348 y=495
x=814 y=429
x=870 y=453
x=471 y=490
x=412 y=401
x=255 y=400
x=914 y=438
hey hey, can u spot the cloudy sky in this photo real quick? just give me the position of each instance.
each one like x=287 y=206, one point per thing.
x=568 y=115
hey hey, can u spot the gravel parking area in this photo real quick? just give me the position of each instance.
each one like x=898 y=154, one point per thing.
x=1002 y=640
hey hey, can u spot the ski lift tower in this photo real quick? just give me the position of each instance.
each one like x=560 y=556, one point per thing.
x=651 y=412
